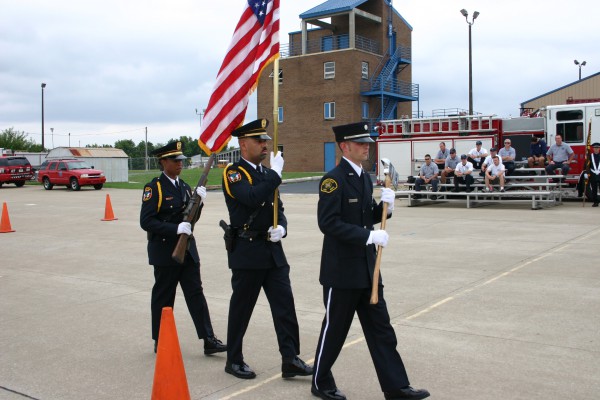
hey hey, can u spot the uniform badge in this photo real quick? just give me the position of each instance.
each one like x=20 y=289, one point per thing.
x=147 y=193
x=234 y=176
x=329 y=185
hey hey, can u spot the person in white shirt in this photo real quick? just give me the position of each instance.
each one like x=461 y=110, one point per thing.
x=494 y=175
x=489 y=161
x=477 y=155
x=463 y=173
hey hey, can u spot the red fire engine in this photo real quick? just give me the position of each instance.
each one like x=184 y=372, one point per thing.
x=406 y=141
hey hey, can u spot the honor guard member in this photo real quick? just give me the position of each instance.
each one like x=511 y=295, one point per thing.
x=346 y=214
x=257 y=259
x=594 y=172
x=161 y=216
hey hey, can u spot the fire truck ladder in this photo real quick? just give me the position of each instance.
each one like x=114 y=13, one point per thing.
x=451 y=125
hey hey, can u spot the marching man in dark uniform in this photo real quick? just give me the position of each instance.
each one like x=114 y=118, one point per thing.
x=163 y=202
x=257 y=259
x=346 y=214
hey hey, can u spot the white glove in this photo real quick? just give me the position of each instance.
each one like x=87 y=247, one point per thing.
x=379 y=238
x=201 y=191
x=388 y=196
x=585 y=176
x=277 y=163
x=185 y=228
x=276 y=234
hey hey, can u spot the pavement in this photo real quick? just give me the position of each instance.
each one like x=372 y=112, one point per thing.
x=496 y=302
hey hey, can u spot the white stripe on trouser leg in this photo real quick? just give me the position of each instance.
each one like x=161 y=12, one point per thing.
x=318 y=362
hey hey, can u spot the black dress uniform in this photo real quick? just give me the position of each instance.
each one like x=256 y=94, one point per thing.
x=594 y=174
x=161 y=213
x=346 y=215
x=256 y=262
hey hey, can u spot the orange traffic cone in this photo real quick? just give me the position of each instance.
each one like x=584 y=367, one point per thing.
x=170 y=382
x=5 y=221
x=108 y=211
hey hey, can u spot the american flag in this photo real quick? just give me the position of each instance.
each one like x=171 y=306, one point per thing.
x=254 y=45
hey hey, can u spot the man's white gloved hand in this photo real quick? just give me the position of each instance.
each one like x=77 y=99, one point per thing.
x=276 y=234
x=585 y=176
x=277 y=163
x=378 y=238
x=201 y=191
x=388 y=196
x=184 y=227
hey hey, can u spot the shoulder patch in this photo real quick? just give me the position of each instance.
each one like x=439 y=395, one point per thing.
x=329 y=185
x=233 y=175
x=147 y=193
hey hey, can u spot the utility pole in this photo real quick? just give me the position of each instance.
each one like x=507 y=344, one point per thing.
x=146 y=161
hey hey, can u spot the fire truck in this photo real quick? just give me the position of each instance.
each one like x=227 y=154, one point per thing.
x=406 y=141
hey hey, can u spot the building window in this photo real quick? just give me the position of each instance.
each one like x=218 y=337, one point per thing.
x=280 y=114
x=329 y=70
x=365 y=110
x=364 y=70
x=329 y=110
x=280 y=75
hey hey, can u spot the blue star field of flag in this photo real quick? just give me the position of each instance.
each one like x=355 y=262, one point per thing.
x=259 y=7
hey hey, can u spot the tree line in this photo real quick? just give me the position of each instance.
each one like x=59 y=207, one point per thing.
x=20 y=141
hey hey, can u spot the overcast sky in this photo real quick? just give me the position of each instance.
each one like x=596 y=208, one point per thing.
x=114 y=67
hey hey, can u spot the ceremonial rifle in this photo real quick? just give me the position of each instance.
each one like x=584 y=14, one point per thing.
x=391 y=179
x=191 y=213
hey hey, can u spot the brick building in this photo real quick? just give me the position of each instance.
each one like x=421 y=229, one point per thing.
x=353 y=65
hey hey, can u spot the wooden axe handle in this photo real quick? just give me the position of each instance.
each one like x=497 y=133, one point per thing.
x=375 y=286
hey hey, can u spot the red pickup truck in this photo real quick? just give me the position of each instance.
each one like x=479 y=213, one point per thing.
x=72 y=173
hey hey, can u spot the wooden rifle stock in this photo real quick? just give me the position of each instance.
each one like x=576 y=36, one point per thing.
x=191 y=213
x=375 y=287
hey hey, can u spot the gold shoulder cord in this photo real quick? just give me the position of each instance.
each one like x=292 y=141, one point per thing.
x=159 y=187
x=227 y=181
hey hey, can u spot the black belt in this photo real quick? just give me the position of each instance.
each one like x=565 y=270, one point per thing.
x=252 y=235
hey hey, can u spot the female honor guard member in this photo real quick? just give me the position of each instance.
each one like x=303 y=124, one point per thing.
x=163 y=202
x=257 y=259
x=346 y=214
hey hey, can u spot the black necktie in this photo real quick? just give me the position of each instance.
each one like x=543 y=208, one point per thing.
x=258 y=168
x=177 y=185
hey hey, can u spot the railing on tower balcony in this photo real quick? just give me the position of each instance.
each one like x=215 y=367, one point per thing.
x=329 y=43
x=392 y=86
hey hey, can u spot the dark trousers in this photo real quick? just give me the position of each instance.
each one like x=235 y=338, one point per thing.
x=509 y=166
x=466 y=179
x=564 y=167
x=246 y=285
x=340 y=306
x=187 y=275
x=593 y=182
x=476 y=164
x=420 y=181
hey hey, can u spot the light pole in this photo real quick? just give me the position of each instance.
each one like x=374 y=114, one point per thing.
x=465 y=14
x=52 y=130
x=43 y=86
x=580 y=65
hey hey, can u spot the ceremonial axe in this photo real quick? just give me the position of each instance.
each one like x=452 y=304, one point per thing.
x=391 y=180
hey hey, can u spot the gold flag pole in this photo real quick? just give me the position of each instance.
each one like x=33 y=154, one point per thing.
x=275 y=129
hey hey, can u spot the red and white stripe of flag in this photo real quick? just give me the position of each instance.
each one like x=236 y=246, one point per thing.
x=252 y=47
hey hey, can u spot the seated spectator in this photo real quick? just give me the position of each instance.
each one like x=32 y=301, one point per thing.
x=449 y=165
x=488 y=161
x=440 y=158
x=477 y=155
x=537 y=152
x=508 y=155
x=463 y=173
x=427 y=174
x=559 y=156
x=494 y=174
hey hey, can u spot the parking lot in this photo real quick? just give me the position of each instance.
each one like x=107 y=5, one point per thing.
x=497 y=302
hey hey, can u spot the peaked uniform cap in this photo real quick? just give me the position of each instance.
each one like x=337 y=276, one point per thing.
x=171 y=150
x=356 y=132
x=255 y=129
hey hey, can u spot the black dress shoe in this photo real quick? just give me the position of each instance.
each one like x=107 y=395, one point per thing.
x=213 y=345
x=595 y=205
x=241 y=371
x=406 y=393
x=328 y=394
x=295 y=367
